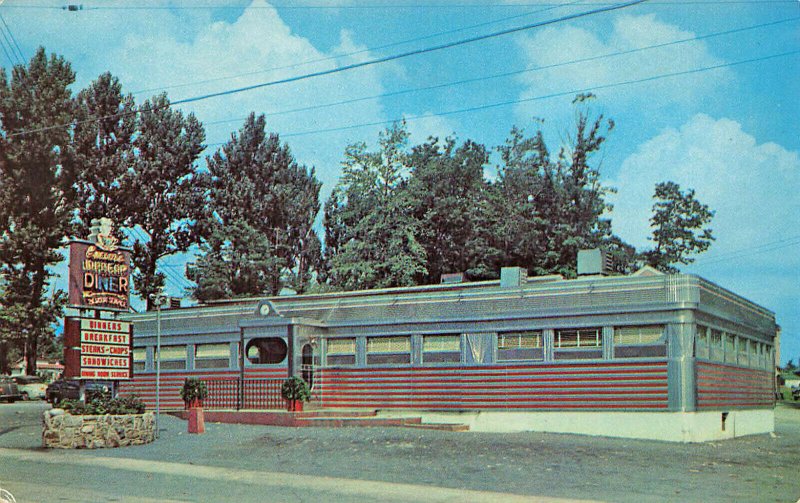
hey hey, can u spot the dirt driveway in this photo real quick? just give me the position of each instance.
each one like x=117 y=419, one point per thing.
x=493 y=466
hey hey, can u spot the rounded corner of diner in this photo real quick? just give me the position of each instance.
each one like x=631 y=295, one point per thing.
x=666 y=357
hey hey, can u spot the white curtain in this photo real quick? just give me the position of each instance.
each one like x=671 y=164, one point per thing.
x=479 y=348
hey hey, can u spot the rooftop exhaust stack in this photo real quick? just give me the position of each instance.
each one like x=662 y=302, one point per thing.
x=452 y=278
x=594 y=262
x=511 y=277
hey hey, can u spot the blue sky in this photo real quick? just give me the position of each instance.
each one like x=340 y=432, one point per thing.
x=730 y=133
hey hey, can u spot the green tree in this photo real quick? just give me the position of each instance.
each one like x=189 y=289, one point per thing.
x=36 y=178
x=103 y=140
x=680 y=227
x=236 y=260
x=371 y=235
x=447 y=194
x=161 y=192
x=261 y=215
x=551 y=208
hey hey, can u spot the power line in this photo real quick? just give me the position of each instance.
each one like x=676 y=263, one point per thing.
x=139 y=235
x=15 y=58
x=354 y=53
x=178 y=281
x=512 y=73
x=537 y=98
x=386 y=6
x=751 y=250
x=14 y=40
x=11 y=60
x=352 y=66
x=416 y=52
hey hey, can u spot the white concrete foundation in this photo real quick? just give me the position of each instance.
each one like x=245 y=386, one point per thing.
x=665 y=426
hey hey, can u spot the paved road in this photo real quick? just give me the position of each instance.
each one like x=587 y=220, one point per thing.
x=259 y=463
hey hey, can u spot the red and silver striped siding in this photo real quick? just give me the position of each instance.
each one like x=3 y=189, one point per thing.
x=587 y=386
x=143 y=384
x=722 y=386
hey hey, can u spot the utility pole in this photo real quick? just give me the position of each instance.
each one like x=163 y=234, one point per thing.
x=158 y=301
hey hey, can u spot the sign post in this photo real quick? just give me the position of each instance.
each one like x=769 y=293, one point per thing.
x=97 y=346
x=158 y=300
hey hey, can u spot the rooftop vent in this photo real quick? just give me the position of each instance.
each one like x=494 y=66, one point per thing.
x=594 y=261
x=511 y=277
x=452 y=278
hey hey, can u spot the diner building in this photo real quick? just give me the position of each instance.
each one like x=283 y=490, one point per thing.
x=648 y=355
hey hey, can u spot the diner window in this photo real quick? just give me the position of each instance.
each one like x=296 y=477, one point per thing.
x=715 y=346
x=701 y=342
x=441 y=349
x=578 y=343
x=266 y=350
x=755 y=361
x=730 y=348
x=212 y=356
x=741 y=350
x=640 y=341
x=341 y=351
x=173 y=357
x=383 y=350
x=139 y=358
x=578 y=338
x=527 y=345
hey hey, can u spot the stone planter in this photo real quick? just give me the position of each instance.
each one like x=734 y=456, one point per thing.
x=65 y=431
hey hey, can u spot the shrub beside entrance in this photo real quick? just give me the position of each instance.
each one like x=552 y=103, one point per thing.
x=295 y=391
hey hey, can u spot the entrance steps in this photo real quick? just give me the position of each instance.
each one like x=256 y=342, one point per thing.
x=319 y=418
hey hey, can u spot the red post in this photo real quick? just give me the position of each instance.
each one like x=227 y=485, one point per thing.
x=197 y=422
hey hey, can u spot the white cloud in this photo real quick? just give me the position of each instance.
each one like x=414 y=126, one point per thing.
x=421 y=129
x=560 y=44
x=153 y=49
x=752 y=187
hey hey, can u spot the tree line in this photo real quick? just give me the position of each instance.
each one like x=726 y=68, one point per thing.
x=400 y=214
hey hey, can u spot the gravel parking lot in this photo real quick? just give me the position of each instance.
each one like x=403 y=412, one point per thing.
x=760 y=468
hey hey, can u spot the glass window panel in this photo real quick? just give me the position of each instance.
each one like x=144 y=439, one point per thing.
x=566 y=339
x=715 y=345
x=580 y=338
x=519 y=340
x=730 y=348
x=344 y=346
x=755 y=360
x=646 y=334
x=173 y=352
x=742 y=347
x=441 y=343
x=389 y=344
x=139 y=354
x=266 y=350
x=212 y=351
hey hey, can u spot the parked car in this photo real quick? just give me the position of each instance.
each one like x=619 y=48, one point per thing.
x=9 y=390
x=31 y=387
x=64 y=389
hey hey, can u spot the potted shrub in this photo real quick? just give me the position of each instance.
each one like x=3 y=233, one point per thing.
x=295 y=391
x=193 y=393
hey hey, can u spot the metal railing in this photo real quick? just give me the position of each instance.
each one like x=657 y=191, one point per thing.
x=255 y=394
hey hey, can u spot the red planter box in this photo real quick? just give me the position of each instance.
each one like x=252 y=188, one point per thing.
x=197 y=421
